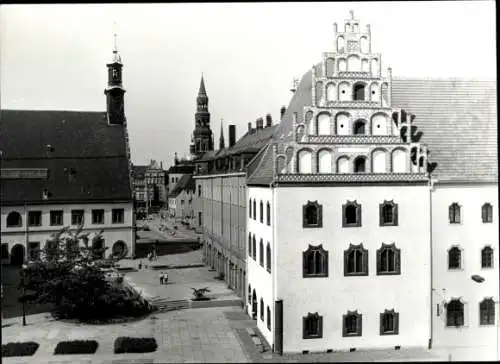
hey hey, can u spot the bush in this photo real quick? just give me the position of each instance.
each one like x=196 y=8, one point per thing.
x=76 y=347
x=126 y=344
x=19 y=349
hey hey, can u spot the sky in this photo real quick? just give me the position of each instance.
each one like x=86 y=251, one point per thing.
x=53 y=56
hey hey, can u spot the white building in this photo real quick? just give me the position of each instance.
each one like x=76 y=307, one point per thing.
x=348 y=239
x=66 y=168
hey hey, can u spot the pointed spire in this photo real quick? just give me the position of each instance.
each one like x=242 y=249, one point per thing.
x=116 y=57
x=202 y=90
x=221 y=139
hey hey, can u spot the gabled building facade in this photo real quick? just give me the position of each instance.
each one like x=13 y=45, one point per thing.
x=66 y=168
x=353 y=230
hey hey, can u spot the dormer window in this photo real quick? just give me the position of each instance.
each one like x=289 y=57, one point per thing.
x=312 y=215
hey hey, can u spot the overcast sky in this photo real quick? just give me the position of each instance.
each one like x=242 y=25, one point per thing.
x=53 y=57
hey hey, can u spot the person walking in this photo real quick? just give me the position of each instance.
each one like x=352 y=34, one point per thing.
x=140 y=264
x=165 y=278
x=161 y=278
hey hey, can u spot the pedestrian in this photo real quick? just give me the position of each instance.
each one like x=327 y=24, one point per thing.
x=161 y=278
x=140 y=264
x=165 y=278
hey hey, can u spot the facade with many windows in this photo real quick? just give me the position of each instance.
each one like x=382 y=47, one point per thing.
x=66 y=169
x=375 y=242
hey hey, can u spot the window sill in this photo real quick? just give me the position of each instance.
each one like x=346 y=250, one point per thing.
x=14 y=226
x=389 y=224
x=360 y=274
x=389 y=333
x=455 y=269
x=351 y=225
x=306 y=226
x=35 y=225
x=356 y=334
x=487 y=325
x=488 y=267
x=308 y=337
x=388 y=273
x=314 y=275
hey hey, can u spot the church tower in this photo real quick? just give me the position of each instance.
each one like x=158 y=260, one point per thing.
x=222 y=143
x=202 y=135
x=115 y=105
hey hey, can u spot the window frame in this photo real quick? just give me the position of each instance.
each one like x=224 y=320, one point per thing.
x=254 y=205
x=395 y=320
x=268 y=318
x=359 y=324
x=453 y=210
x=268 y=257
x=460 y=263
x=75 y=213
x=32 y=214
x=261 y=308
x=364 y=261
x=309 y=335
x=358 y=222
x=261 y=252
x=268 y=215
x=250 y=244
x=394 y=206
x=261 y=210
x=315 y=249
x=122 y=214
x=463 y=313
x=355 y=166
x=491 y=257
x=55 y=213
x=95 y=213
x=254 y=248
x=397 y=260
x=319 y=212
x=487 y=213
x=19 y=220
x=489 y=310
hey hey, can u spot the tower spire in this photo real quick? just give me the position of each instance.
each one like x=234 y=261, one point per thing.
x=221 y=139
x=202 y=90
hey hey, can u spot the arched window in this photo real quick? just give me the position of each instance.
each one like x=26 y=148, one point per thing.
x=323 y=124
x=454 y=258
x=268 y=257
x=312 y=326
x=261 y=252
x=261 y=310
x=329 y=67
x=487 y=312
x=388 y=260
x=399 y=161
x=359 y=92
x=14 y=219
x=305 y=161
x=455 y=313
x=249 y=244
x=356 y=261
x=351 y=214
x=261 y=210
x=315 y=262
x=388 y=213
x=360 y=165
x=268 y=318
x=454 y=213
x=342 y=124
x=330 y=92
x=254 y=207
x=268 y=215
x=487 y=212
x=343 y=165
x=379 y=164
x=254 y=248
x=324 y=161
x=389 y=323
x=487 y=257
x=352 y=324
x=359 y=127
x=312 y=214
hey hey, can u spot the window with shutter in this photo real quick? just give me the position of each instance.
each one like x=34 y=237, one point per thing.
x=388 y=213
x=454 y=258
x=261 y=253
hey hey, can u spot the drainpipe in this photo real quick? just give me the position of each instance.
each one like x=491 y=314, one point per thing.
x=431 y=190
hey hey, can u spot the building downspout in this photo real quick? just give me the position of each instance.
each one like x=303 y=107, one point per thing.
x=431 y=190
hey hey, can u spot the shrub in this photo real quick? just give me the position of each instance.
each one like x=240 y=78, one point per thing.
x=126 y=344
x=76 y=347
x=19 y=349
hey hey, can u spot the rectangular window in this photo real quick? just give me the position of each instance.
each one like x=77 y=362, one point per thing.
x=34 y=251
x=389 y=323
x=118 y=216
x=261 y=210
x=351 y=214
x=388 y=212
x=56 y=218
x=315 y=262
x=268 y=215
x=487 y=312
x=356 y=261
x=34 y=218
x=5 y=251
x=388 y=260
x=98 y=217
x=77 y=217
x=312 y=215
x=312 y=326
x=352 y=324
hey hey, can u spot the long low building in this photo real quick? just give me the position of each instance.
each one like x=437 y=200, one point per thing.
x=66 y=168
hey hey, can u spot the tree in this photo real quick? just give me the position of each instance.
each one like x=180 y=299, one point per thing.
x=70 y=276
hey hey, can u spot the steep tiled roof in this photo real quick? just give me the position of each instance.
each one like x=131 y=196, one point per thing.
x=86 y=158
x=181 y=169
x=458 y=121
x=139 y=172
x=185 y=183
x=457 y=118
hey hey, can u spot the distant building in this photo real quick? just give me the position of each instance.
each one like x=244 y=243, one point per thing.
x=221 y=200
x=180 y=201
x=371 y=219
x=150 y=187
x=66 y=168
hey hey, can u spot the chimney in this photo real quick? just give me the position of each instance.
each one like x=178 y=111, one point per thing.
x=249 y=128
x=259 y=123
x=232 y=135
x=282 y=112
x=269 y=120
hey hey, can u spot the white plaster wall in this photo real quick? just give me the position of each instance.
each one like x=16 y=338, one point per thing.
x=399 y=161
x=379 y=158
x=257 y=276
x=305 y=161
x=472 y=235
x=331 y=297
x=330 y=92
x=343 y=165
x=111 y=234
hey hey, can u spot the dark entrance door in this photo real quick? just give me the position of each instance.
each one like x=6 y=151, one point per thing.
x=17 y=255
